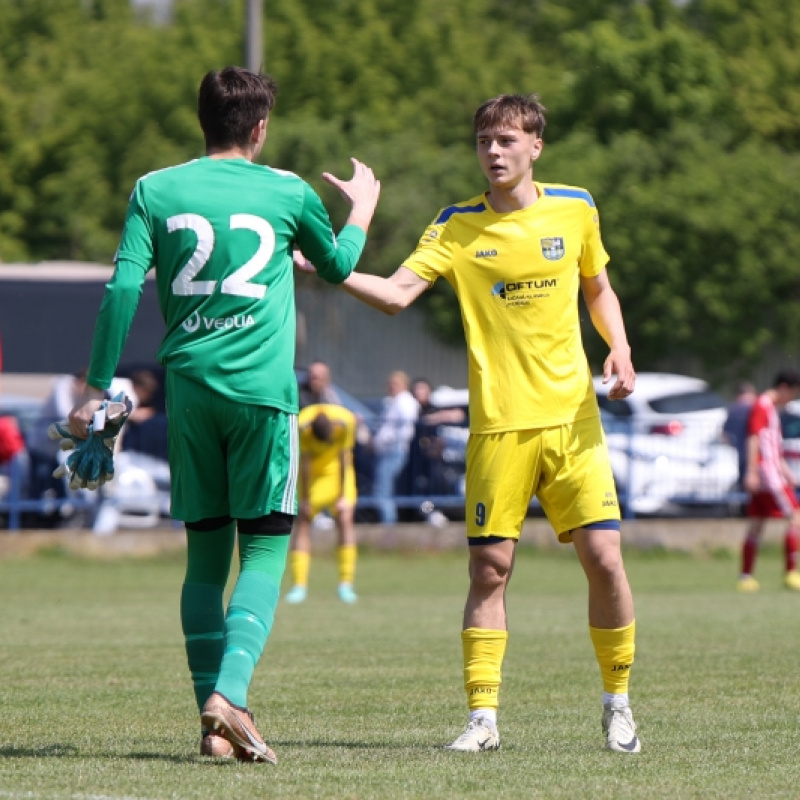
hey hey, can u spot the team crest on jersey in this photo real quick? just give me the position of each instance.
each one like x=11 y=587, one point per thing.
x=552 y=247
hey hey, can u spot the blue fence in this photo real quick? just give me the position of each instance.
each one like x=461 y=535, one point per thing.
x=656 y=475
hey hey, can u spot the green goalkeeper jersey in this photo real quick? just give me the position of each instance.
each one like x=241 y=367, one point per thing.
x=220 y=234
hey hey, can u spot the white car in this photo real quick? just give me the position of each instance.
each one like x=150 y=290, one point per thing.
x=668 y=405
x=667 y=475
x=665 y=444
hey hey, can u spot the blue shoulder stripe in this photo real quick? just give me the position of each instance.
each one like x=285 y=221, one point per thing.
x=450 y=210
x=578 y=194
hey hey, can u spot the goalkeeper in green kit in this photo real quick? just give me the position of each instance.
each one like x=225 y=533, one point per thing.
x=220 y=232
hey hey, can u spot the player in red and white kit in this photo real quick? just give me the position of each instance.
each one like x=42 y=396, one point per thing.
x=770 y=482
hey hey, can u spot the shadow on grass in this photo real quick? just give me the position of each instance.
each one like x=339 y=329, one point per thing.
x=46 y=751
x=59 y=750
x=70 y=751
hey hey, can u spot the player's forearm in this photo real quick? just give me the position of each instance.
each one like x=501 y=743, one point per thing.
x=113 y=325
x=375 y=291
x=361 y=216
x=606 y=314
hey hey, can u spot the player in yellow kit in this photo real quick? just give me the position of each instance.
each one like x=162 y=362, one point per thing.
x=517 y=257
x=327 y=483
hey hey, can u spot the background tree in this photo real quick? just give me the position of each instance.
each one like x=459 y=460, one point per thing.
x=681 y=119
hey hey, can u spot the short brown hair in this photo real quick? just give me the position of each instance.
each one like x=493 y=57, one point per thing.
x=322 y=427
x=231 y=102
x=524 y=110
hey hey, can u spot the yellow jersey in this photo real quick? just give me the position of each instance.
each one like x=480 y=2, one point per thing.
x=517 y=276
x=324 y=456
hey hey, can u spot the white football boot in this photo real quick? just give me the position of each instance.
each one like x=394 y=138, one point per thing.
x=620 y=730
x=480 y=735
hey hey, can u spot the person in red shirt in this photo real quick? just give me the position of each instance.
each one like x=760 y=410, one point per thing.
x=11 y=441
x=770 y=482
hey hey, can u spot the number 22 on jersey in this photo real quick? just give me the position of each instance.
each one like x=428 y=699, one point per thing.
x=238 y=283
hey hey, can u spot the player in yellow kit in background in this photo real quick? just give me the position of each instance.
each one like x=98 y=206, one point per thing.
x=517 y=257
x=327 y=483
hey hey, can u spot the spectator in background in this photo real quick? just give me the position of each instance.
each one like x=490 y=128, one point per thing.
x=430 y=414
x=391 y=441
x=11 y=441
x=146 y=428
x=327 y=483
x=421 y=390
x=44 y=452
x=734 y=431
x=770 y=482
x=426 y=471
x=317 y=387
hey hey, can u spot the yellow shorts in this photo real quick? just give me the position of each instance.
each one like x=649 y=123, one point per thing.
x=566 y=468
x=324 y=491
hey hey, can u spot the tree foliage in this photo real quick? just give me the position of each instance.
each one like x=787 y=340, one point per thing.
x=683 y=120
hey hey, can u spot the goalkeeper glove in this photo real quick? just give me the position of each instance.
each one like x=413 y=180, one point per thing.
x=92 y=462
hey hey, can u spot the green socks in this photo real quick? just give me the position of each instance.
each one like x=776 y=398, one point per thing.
x=251 y=611
x=223 y=649
x=247 y=627
x=203 y=622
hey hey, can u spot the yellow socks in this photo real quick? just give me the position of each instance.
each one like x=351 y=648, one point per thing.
x=614 y=648
x=483 y=661
x=346 y=556
x=484 y=650
x=299 y=563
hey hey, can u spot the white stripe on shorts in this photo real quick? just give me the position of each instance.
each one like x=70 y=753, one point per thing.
x=290 y=489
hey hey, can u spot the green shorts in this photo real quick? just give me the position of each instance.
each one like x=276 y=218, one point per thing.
x=566 y=468
x=228 y=458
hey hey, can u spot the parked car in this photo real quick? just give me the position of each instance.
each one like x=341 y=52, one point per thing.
x=668 y=405
x=669 y=475
x=665 y=450
x=139 y=493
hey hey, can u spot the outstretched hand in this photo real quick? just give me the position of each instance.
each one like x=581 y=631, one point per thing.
x=361 y=191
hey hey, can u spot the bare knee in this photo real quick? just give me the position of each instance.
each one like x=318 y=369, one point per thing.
x=488 y=570
x=601 y=557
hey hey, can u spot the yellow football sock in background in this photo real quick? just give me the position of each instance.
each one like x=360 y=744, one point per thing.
x=299 y=564
x=346 y=556
x=483 y=661
x=614 y=648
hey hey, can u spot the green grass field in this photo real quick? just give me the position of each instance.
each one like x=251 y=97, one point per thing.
x=356 y=701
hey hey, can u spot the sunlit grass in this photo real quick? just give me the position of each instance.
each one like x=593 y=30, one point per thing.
x=357 y=701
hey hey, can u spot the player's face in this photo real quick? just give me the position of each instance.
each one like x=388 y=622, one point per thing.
x=318 y=377
x=506 y=155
